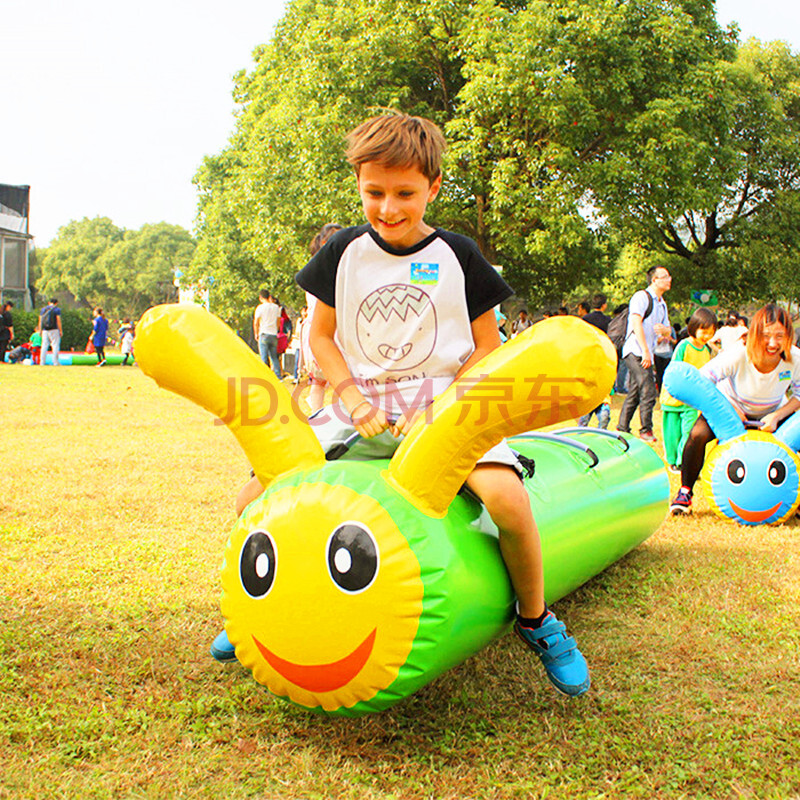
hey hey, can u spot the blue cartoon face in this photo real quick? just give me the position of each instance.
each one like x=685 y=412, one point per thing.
x=754 y=479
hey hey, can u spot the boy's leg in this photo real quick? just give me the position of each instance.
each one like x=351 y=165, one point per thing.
x=507 y=502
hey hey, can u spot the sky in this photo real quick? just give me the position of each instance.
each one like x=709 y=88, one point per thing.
x=109 y=108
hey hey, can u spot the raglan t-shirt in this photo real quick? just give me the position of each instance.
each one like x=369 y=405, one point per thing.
x=403 y=317
x=757 y=393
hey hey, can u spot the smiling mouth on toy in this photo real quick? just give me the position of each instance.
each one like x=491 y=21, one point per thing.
x=321 y=677
x=753 y=516
x=394 y=353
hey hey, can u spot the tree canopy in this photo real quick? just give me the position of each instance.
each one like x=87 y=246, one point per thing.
x=575 y=126
x=124 y=271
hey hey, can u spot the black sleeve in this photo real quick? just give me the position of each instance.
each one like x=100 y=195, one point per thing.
x=318 y=277
x=485 y=288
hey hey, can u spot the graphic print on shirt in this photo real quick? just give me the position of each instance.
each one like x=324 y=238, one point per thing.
x=396 y=327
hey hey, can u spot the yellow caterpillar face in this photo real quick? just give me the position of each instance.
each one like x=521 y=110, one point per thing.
x=322 y=594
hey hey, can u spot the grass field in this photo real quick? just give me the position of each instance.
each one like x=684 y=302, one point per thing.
x=115 y=504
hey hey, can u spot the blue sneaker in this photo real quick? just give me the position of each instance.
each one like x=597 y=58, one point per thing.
x=564 y=663
x=222 y=649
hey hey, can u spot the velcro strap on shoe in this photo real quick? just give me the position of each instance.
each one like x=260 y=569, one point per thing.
x=559 y=649
x=553 y=628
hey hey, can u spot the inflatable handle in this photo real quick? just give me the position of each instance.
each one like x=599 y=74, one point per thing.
x=685 y=383
x=557 y=439
x=189 y=351
x=598 y=432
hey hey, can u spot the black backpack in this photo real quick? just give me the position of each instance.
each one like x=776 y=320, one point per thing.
x=49 y=319
x=618 y=327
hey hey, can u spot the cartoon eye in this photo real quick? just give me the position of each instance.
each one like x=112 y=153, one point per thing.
x=776 y=472
x=352 y=557
x=736 y=471
x=257 y=564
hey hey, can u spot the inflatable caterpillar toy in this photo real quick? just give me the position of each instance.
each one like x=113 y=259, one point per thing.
x=348 y=585
x=751 y=476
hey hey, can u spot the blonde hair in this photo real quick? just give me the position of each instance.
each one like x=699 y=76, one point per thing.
x=756 y=341
x=398 y=140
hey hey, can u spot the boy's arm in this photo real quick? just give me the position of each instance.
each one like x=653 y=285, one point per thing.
x=368 y=419
x=486 y=338
x=256 y=324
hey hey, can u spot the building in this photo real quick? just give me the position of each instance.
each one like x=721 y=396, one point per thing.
x=14 y=245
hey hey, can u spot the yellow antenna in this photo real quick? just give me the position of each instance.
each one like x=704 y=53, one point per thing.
x=558 y=369
x=189 y=351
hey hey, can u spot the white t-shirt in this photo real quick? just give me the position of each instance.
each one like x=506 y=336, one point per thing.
x=403 y=317
x=756 y=393
x=267 y=315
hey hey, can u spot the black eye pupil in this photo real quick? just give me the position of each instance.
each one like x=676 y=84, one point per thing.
x=257 y=564
x=776 y=473
x=352 y=557
x=736 y=471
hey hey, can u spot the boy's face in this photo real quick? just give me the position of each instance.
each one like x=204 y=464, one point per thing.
x=394 y=201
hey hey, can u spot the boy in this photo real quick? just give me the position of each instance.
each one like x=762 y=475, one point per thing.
x=402 y=311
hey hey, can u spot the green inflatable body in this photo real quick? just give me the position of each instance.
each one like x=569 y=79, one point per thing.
x=595 y=496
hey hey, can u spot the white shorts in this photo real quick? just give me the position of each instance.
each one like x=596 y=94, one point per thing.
x=333 y=427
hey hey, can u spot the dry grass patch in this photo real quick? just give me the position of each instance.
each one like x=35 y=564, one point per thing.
x=115 y=504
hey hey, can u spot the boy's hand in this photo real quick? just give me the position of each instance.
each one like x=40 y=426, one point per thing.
x=369 y=420
x=405 y=422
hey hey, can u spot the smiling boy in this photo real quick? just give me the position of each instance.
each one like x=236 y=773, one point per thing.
x=403 y=310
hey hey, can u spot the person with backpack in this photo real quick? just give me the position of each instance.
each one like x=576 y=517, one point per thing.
x=648 y=321
x=51 y=330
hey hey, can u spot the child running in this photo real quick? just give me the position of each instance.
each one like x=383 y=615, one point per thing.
x=677 y=417
x=403 y=310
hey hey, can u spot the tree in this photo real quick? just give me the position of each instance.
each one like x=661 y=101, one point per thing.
x=122 y=271
x=140 y=269
x=718 y=187
x=71 y=260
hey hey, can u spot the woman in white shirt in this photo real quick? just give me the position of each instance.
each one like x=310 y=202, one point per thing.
x=755 y=378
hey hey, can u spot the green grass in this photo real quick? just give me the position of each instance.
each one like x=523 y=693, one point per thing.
x=115 y=503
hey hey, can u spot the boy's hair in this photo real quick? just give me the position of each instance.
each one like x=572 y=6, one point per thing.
x=756 y=344
x=398 y=140
x=264 y=294
x=702 y=318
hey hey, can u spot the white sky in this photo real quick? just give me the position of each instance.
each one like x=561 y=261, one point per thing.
x=108 y=108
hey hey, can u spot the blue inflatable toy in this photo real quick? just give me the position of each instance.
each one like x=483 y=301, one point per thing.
x=751 y=476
